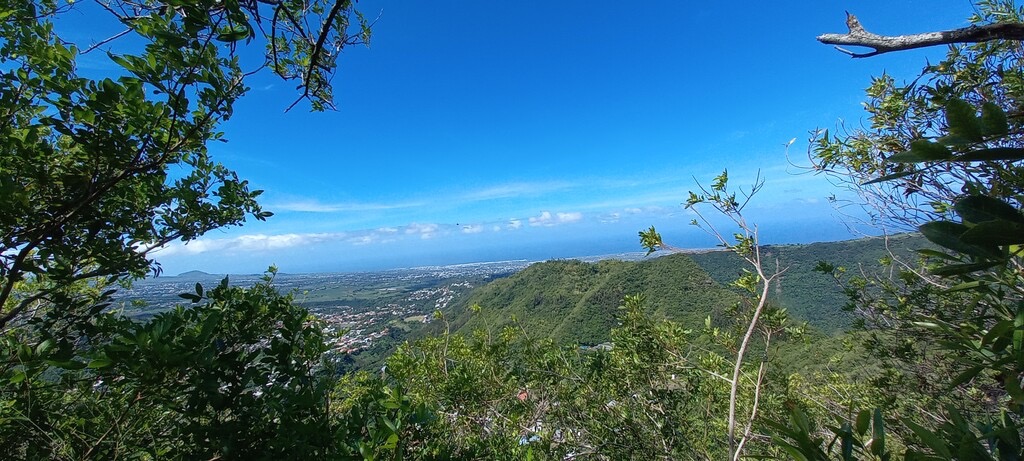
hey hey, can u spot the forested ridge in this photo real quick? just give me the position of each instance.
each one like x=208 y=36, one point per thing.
x=811 y=295
x=97 y=174
x=573 y=302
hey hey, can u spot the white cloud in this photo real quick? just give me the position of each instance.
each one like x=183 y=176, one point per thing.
x=514 y=224
x=248 y=243
x=569 y=217
x=472 y=229
x=425 y=231
x=377 y=236
x=543 y=220
x=547 y=219
x=363 y=240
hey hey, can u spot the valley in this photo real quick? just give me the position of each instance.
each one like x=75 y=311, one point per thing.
x=572 y=302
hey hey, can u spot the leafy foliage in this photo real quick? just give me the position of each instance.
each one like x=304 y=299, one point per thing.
x=236 y=374
x=952 y=141
x=97 y=173
x=959 y=109
x=94 y=174
x=807 y=294
x=658 y=393
x=572 y=302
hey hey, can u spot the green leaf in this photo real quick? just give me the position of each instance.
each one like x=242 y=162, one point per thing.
x=947 y=235
x=961 y=269
x=935 y=254
x=190 y=297
x=863 y=420
x=101 y=362
x=1012 y=386
x=993 y=120
x=981 y=208
x=962 y=120
x=1018 y=337
x=1009 y=439
x=954 y=140
x=929 y=439
x=972 y=285
x=999 y=232
x=889 y=177
x=922 y=150
x=878 y=434
x=991 y=155
x=44 y=347
x=966 y=376
x=366 y=450
x=791 y=450
x=233 y=35
x=18 y=377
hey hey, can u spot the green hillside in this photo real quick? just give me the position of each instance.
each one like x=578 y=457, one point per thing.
x=576 y=302
x=808 y=295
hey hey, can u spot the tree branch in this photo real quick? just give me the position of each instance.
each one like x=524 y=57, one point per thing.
x=108 y=40
x=314 y=57
x=858 y=36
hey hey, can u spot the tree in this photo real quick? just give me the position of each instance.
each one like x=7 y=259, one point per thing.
x=760 y=321
x=97 y=173
x=87 y=188
x=901 y=195
x=943 y=155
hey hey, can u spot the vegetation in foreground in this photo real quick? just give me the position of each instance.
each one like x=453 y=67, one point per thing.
x=239 y=372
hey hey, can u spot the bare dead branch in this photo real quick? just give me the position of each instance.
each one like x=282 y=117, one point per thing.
x=858 y=36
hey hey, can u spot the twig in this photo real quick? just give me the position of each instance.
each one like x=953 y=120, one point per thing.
x=108 y=40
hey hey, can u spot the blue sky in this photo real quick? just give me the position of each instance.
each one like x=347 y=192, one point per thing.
x=475 y=131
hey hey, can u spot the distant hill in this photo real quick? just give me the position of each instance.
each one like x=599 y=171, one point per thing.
x=197 y=275
x=574 y=302
x=808 y=295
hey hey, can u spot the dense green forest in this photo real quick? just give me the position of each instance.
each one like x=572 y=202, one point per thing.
x=97 y=173
x=573 y=302
x=810 y=295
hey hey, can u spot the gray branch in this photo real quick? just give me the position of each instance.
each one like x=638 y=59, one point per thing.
x=857 y=36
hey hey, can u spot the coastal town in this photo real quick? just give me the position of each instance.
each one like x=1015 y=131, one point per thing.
x=358 y=309
x=355 y=329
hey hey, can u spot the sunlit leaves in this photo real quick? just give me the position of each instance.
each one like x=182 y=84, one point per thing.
x=650 y=240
